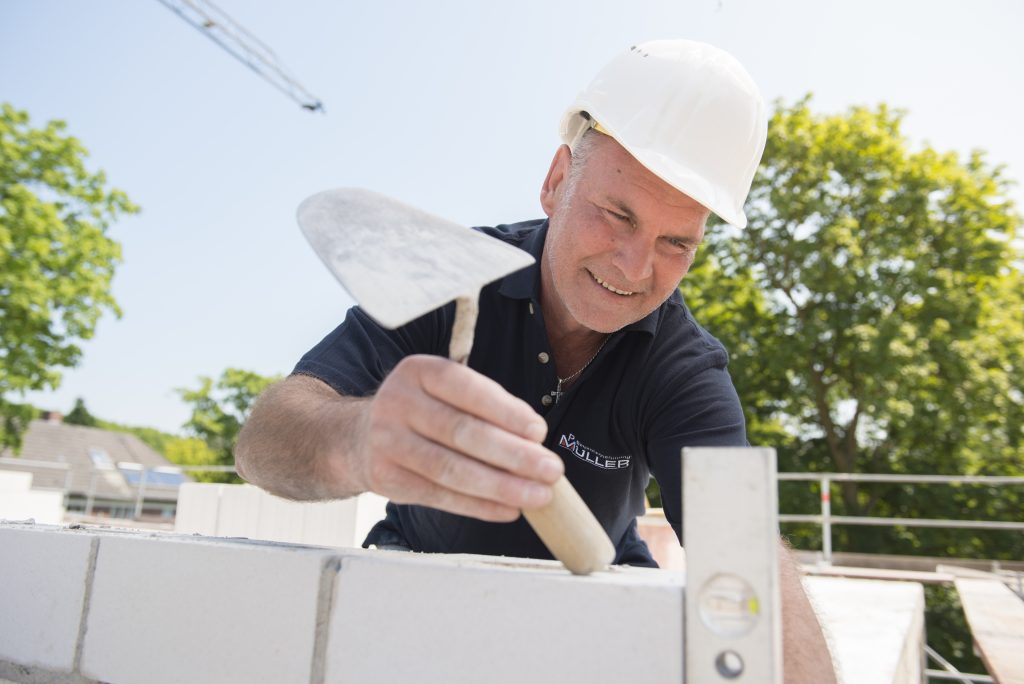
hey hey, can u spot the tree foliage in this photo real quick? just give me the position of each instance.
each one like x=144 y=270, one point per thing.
x=192 y=451
x=219 y=409
x=874 y=312
x=56 y=259
x=154 y=438
x=80 y=415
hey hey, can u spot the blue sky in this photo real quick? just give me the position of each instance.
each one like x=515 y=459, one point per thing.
x=451 y=106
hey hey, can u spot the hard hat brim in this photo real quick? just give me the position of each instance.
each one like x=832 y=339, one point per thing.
x=687 y=181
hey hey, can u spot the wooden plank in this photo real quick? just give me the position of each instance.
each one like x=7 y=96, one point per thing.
x=1010 y=579
x=996 y=618
x=875 y=628
x=879 y=574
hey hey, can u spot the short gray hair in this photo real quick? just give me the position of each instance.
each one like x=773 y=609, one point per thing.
x=580 y=152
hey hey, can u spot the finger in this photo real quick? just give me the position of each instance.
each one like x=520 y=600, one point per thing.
x=465 y=389
x=460 y=473
x=470 y=435
x=407 y=487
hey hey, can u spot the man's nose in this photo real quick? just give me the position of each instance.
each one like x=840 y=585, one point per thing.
x=634 y=257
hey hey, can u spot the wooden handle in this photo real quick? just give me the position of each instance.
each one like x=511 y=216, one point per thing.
x=571 y=532
x=566 y=526
x=463 y=328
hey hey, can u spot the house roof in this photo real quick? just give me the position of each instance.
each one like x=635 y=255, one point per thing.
x=91 y=452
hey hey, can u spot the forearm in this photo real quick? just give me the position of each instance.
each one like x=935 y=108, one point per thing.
x=805 y=655
x=435 y=433
x=300 y=441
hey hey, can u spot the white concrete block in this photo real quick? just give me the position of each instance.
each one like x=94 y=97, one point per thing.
x=280 y=519
x=43 y=579
x=182 y=610
x=46 y=508
x=198 y=508
x=370 y=509
x=875 y=628
x=329 y=523
x=246 y=511
x=400 y=617
x=14 y=481
x=239 y=512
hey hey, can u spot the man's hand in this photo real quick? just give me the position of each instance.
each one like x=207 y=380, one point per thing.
x=436 y=433
x=442 y=435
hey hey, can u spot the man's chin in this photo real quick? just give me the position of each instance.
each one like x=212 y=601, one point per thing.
x=608 y=321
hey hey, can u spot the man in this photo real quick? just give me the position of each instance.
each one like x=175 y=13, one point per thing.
x=588 y=363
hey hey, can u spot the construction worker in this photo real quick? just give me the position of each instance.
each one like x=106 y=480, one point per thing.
x=588 y=363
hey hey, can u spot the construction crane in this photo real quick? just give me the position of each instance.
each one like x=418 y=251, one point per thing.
x=216 y=25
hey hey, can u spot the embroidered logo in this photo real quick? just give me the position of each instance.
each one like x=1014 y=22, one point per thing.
x=594 y=458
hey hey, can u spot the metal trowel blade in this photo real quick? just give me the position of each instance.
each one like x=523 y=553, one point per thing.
x=399 y=262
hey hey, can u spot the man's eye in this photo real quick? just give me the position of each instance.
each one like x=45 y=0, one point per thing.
x=617 y=216
x=681 y=246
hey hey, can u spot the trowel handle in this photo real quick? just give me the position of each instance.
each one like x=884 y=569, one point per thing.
x=571 y=532
x=462 y=330
x=566 y=525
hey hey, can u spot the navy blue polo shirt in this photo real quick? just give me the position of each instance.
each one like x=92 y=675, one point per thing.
x=656 y=386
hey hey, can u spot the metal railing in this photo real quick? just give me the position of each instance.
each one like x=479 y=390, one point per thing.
x=950 y=673
x=827 y=520
x=824 y=518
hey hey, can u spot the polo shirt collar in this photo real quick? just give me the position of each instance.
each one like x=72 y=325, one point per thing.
x=525 y=283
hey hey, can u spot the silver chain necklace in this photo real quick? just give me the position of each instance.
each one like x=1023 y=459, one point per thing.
x=557 y=394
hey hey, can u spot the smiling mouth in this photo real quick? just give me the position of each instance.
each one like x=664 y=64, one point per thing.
x=609 y=287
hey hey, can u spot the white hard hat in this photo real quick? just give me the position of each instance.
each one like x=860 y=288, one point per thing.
x=688 y=112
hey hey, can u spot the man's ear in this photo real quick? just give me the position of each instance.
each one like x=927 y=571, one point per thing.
x=555 y=182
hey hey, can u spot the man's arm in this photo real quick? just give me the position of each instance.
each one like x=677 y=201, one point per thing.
x=436 y=433
x=805 y=655
x=286 y=444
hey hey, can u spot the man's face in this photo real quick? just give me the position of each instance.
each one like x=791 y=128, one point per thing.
x=620 y=240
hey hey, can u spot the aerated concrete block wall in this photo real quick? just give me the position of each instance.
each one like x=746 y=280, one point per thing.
x=102 y=605
x=116 y=606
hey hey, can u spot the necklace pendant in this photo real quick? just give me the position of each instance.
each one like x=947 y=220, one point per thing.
x=557 y=394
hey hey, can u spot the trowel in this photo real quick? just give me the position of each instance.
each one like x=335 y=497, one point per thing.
x=398 y=263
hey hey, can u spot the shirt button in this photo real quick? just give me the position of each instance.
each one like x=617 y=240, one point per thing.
x=546 y=400
x=543 y=357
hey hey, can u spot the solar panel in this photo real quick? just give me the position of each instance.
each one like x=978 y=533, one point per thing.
x=160 y=478
x=167 y=479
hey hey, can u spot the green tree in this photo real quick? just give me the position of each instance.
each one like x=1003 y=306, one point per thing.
x=80 y=415
x=875 y=316
x=219 y=409
x=192 y=451
x=56 y=259
x=156 y=439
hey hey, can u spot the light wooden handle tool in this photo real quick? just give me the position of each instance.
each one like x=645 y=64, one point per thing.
x=566 y=526
x=571 y=532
